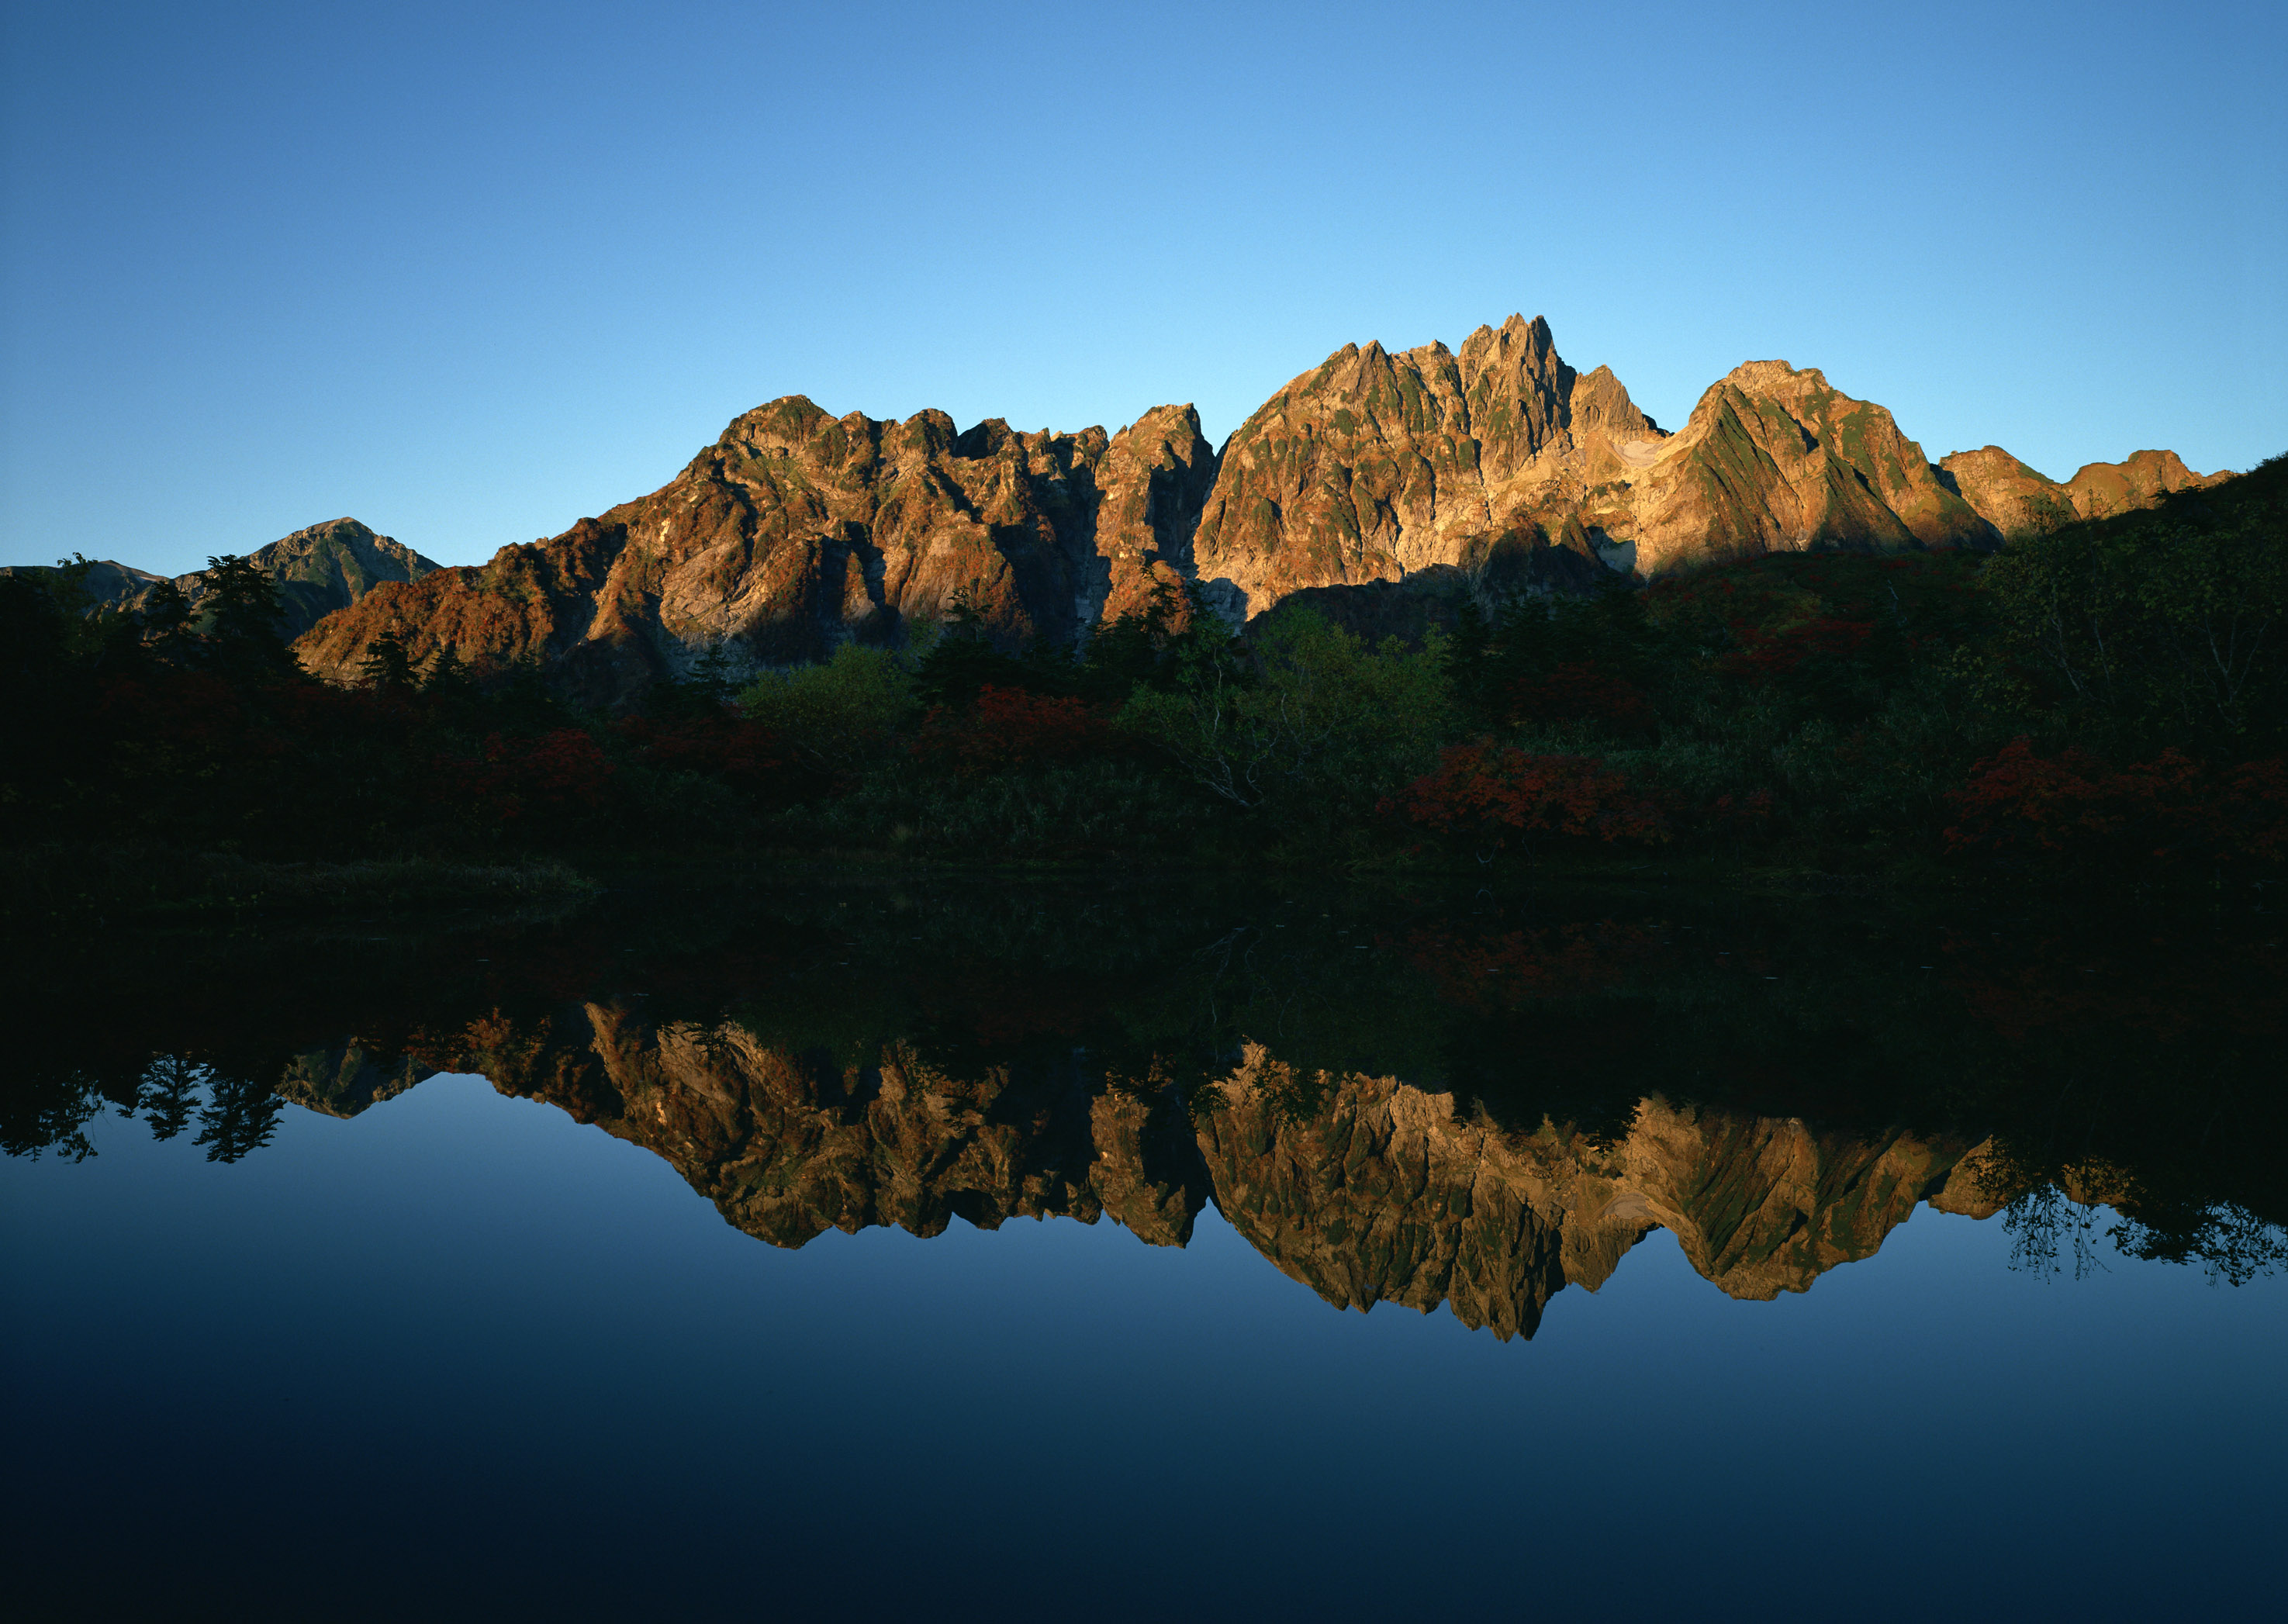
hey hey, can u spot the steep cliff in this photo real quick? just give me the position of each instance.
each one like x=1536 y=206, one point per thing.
x=788 y=1147
x=795 y=530
x=1776 y=459
x=1497 y=469
x=2009 y=495
x=1375 y=466
x=1382 y=1194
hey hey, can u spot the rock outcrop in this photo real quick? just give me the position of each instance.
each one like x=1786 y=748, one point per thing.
x=1776 y=459
x=2017 y=500
x=1382 y=1194
x=347 y=1078
x=796 y=531
x=789 y=1145
x=2006 y=494
x=2102 y=489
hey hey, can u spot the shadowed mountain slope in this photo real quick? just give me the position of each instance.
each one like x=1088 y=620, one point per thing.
x=317 y=570
x=321 y=569
x=108 y=585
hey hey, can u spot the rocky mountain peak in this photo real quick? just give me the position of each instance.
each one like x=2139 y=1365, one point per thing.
x=1774 y=378
x=2018 y=501
x=1493 y=470
x=1598 y=400
x=317 y=569
x=2099 y=489
x=798 y=531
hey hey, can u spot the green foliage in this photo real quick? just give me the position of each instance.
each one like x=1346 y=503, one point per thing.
x=837 y=712
x=1308 y=721
x=706 y=692
x=166 y=617
x=385 y=665
x=2161 y=627
x=1102 y=808
x=242 y=620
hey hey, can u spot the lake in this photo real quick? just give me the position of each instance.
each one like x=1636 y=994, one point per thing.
x=1140 y=1248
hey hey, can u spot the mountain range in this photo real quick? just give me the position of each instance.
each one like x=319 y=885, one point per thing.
x=1496 y=470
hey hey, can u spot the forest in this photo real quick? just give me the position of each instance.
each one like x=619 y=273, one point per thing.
x=2104 y=701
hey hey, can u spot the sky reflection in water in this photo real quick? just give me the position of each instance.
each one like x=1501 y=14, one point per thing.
x=462 y=1355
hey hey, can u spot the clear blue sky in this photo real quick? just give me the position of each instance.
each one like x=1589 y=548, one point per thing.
x=470 y=271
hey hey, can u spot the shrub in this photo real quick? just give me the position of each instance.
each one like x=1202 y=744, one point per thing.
x=746 y=756
x=2170 y=807
x=1007 y=727
x=1485 y=789
x=836 y=712
x=1310 y=718
x=544 y=781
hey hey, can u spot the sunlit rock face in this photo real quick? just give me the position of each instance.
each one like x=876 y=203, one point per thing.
x=2009 y=495
x=1373 y=466
x=1376 y=1195
x=1503 y=463
x=1776 y=459
x=2102 y=489
x=796 y=531
x=2018 y=500
x=1367 y=1190
x=1496 y=470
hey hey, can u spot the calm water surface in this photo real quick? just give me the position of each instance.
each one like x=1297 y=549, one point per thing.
x=880 y=1253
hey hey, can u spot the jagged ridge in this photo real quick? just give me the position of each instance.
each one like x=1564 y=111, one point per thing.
x=1496 y=470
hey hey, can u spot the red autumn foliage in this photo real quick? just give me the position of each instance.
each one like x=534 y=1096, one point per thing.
x=744 y=754
x=1008 y=727
x=1579 y=691
x=1485 y=788
x=557 y=775
x=1764 y=654
x=2170 y=807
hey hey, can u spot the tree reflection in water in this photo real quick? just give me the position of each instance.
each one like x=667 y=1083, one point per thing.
x=1395 y=1098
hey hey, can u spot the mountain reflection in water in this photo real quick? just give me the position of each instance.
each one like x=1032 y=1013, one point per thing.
x=1420 y=1100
